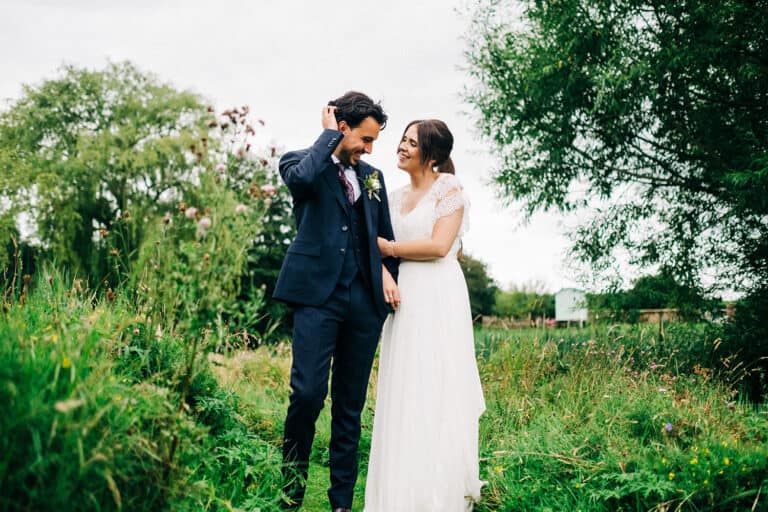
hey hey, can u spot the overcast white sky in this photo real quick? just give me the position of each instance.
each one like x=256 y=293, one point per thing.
x=287 y=58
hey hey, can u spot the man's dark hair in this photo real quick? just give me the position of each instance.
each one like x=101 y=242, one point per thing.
x=355 y=106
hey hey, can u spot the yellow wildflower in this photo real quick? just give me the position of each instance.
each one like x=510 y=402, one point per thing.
x=694 y=461
x=671 y=475
x=66 y=362
x=726 y=461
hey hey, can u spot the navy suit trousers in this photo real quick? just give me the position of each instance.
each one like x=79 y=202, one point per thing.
x=340 y=335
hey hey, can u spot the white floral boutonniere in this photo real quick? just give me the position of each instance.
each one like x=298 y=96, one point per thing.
x=372 y=185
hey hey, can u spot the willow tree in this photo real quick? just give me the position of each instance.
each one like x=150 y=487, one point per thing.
x=96 y=152
x=656 y=109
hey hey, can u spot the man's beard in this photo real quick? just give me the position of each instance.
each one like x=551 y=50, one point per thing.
x=345 y=157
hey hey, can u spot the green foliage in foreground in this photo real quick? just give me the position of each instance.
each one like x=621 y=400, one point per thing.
x=101 y=413
x=603 y=421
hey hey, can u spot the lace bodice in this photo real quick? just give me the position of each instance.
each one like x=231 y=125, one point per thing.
x=444 y=197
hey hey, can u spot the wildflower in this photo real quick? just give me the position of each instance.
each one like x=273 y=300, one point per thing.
x=113 y=252
x=727 y=461
x=269 y=189
x=498 y=469
x=671 y=475
x=664 y=460
x=204 y=223
x=54 y=337
x=241 y=208
x=117 y=398
x=190 y=212
x=66 y=362
x=668 y=427
x=706 y=483
x=136 y=332
x=694 y=461
x=64 y=406
x=220 y=167
x=724 y=444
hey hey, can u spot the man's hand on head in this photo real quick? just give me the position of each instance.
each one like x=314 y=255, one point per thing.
x=329 y=118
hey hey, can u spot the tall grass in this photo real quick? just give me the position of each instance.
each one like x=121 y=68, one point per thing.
x=98 y=412
x=100 y=409
x=607 y=420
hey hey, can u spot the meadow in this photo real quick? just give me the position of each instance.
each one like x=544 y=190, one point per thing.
x=104 y=408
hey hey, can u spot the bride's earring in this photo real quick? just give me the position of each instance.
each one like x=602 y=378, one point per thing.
x=434 y=168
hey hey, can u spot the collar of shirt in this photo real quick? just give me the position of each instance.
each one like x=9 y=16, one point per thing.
x=351 y=176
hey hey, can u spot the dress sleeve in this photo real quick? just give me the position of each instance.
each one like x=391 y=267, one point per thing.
x=450 y=198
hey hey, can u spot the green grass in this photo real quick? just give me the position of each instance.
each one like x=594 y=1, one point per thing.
x=576 y=420
x=100 y=411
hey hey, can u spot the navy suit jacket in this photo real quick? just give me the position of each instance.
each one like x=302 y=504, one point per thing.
x=313 y=263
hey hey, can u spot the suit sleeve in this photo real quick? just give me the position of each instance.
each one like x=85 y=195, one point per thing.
x=386 y=231
x=300 y=170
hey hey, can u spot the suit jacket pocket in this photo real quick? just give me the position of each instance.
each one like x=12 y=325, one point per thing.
x=306 y=248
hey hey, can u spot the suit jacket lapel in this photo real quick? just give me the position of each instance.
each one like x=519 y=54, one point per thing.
x=363 y=172
x=332 y=179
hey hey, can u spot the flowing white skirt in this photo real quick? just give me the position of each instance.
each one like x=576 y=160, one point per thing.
x=424 y=450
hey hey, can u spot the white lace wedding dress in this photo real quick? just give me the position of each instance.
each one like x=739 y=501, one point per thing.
x=424 y=451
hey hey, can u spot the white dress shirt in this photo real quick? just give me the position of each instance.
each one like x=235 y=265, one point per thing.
x=351 y=177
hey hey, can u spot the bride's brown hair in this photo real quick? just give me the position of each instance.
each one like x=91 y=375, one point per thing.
x=435 y=143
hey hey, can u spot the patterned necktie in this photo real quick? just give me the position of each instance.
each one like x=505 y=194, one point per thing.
x=347 y=185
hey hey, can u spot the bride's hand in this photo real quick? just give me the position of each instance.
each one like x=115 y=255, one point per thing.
x=385 y=247
x=391 y=292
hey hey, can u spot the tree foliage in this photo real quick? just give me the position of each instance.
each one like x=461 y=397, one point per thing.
x=521 y=302
x=98 y=160
x=481 y=287
x=659 y=109
x=656 y=291
x=85 y=151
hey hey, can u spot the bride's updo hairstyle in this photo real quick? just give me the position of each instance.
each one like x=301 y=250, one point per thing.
x=435 y=143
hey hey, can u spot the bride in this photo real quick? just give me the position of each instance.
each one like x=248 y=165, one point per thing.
x=424 y=451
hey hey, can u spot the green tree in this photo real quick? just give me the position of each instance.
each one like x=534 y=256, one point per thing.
x=659 y=107
x=657 y=291
x=523 y=302
x=96 y=154
x=481 y=287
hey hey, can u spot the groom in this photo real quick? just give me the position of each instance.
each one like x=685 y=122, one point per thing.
x=334 y=278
